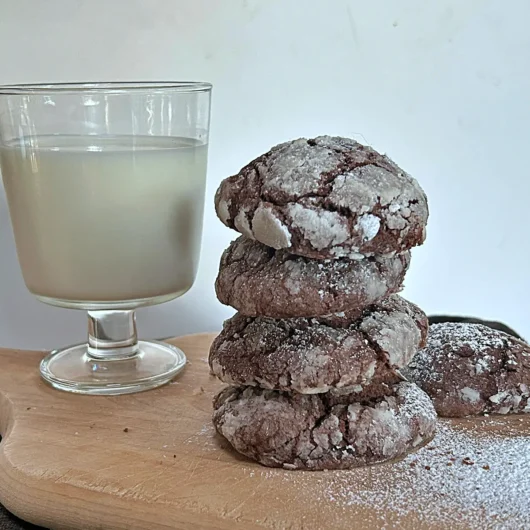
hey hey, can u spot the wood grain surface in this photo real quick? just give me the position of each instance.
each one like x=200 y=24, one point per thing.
x=152 y=461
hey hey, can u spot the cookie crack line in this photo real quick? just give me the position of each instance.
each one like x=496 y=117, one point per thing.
x=382 y=356
x=326 y=205
x=327 y=181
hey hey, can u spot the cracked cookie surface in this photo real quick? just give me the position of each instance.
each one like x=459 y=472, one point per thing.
x=315 y=432
x=258 y=280
x=345 y=352
x=470 y=369
x=326 y=197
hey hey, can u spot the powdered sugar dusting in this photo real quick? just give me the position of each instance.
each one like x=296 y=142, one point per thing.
x=223 y=210
x=458 y=478
x=322 y=228
x=242 y=224
x=396 y=334
x=369 y=225
x=296 y=167
x=472 y=475
x=204 y=438
x=268 y=229
x=476 y=337
x=470 y=394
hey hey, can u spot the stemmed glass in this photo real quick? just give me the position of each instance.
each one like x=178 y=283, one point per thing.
x=105 y=185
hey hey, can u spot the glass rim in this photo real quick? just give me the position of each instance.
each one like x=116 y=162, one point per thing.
x=105 y=87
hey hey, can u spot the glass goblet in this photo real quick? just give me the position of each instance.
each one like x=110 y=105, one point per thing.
x=105 y=186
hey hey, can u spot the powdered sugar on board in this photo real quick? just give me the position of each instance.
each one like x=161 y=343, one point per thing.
x=474 y=474
x=458 y=478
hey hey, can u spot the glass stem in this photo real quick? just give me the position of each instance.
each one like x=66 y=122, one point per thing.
x=112 y=335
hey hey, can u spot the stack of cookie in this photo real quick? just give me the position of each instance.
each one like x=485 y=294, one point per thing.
x=313 y=354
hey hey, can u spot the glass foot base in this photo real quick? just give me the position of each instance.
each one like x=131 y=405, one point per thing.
x=73 y=370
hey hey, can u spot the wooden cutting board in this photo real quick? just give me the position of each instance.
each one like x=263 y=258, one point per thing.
x=152 y=461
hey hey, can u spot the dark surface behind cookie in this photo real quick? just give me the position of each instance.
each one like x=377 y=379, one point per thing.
x=10 y=522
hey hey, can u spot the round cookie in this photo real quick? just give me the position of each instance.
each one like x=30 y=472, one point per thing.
x=472 y=369
x=344 y=352
x=258 y=280
x=315 y=432
x=327 y=197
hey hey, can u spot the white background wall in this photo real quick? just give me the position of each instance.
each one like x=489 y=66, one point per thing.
x=443 y=87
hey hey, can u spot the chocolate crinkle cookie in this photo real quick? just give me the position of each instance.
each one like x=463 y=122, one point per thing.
x=343 y=352
x=296 y=431
x=259 y=280
x=327 y=197
x=470 y=369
